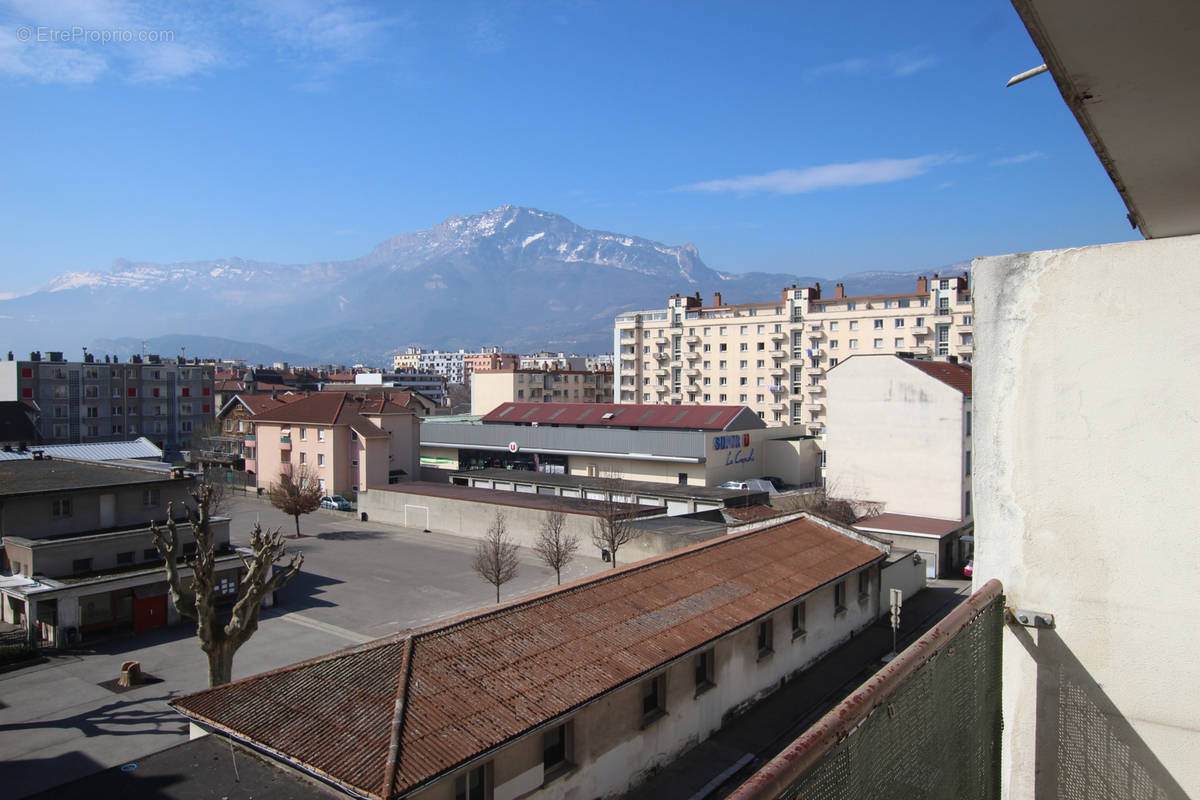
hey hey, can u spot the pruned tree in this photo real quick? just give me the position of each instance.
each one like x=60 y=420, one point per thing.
x=296 y=494
x=554 y=545
x=496 y=558
x=614 y=526
x=195 y=597
x=829 y=503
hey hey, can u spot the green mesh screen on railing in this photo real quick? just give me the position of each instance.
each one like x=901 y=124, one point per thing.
x=926 y=726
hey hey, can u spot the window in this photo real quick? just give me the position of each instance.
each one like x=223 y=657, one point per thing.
x=851 y=306
x=899 y=322
x=967 y=504
x=654 y=698
x=799 y=621
x=833 y=326
x=704 y=671
x=766 y=638
x=833 y=362
x=853 y=324
x=303 y=437
x=150 y=497
x=839 y=597
x=744 y=347
x=555 y=752
x=320 y=459
x=125 y=558
x=722 y=364
x=854 y=344
x=968 y=454
x=833 y=344
x=320 y=434
x=742 y=364
x=968 y=423
x=878 y=324
x=474 y=784
x=132 y=392
x=898 y=341
x=226 y=585
x=864 y=586
x=919 y=322
x=155 y=391
x=303 y=457
x=81 y=565
x=722 y=347
x=61 y=507
x=91 y=392
x=683 y=478
x=186 y=426
x=878 y=344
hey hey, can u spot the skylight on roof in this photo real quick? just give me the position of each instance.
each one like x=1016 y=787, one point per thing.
x=607 y=415
x=530 y=412
x=506 y=410
x=678 y=417
x=556 y=413
x=713 y=418
x=643 y=417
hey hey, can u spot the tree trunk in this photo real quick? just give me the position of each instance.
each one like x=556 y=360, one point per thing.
x=497 y=593
x=220 y=664
x=297 y=516
x=558 y=575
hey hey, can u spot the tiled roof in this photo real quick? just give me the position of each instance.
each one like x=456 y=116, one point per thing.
x=320 y=408
x=265 y=401
x=453 y=691
x=908 y=523
x=957 y=376
x=609 y=415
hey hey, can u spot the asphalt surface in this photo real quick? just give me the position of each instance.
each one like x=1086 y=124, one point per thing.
x=360 y=581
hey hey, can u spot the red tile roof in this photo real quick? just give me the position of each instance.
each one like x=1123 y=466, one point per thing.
x=908 y=523
x=320 y=408
x=957 y=376
x=258 y=403
x=609 y=415
x=453 y=691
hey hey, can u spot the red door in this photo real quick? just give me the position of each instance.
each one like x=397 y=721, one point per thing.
x=149 y=613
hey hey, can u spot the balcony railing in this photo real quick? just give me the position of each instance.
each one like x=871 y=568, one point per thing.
x=876 y=741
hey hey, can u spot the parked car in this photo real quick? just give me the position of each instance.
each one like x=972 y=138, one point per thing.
x=336 y=502
x=969 y=569
x=752 y=484
x=733 y=485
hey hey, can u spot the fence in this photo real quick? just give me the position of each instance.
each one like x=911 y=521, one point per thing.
x=927 y=725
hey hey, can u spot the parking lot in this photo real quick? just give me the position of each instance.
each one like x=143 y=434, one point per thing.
x=360 y=581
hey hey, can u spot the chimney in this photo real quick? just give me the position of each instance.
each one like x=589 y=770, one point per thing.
x=716 y=298
x=839 y=291
x=922 y=285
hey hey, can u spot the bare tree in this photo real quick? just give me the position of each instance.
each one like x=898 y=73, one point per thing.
x=554 y=545
x=296 y=494
x=827 y=502
x=195 y=597
x=219 y=495
x=496 y=555
x=614 y=526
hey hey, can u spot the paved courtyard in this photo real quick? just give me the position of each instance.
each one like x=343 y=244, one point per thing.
x=360 y=581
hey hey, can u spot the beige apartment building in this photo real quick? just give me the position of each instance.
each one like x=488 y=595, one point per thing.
x=491 y=388
x=773 y=356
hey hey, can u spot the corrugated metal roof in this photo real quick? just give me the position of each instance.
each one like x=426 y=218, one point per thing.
x=609 y=415
x=908 y=523
x=471 y=684
x=140 y=448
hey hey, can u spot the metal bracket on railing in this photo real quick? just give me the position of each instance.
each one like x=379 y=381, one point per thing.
x=1030 y=619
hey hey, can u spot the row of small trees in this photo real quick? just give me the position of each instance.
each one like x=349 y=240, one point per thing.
x=496 y=560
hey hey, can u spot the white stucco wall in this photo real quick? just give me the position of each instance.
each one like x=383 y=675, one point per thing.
x=894 y=435
x=1086 y=440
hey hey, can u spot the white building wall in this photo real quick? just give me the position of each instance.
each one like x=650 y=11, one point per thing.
x=1086 y=440
x=895 y=436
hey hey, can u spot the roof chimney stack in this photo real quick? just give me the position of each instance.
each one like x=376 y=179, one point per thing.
x=716 y=298
x=839 y=291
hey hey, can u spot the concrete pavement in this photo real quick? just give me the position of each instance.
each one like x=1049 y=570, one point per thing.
x=360 y=581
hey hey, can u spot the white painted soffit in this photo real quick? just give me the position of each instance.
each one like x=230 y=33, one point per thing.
x=1130 y=72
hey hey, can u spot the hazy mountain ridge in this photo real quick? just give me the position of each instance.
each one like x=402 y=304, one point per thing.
x=511 y=276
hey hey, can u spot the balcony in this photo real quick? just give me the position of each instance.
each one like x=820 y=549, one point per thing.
x=779 y=406
x=631 y=357
x=919 y=350
x=692 y=339
x=814 y=370
x=692 y=373
x=780 y=354
x=817 y=407
x=691 y=355
x=285 y=443
x=920 y=330
x=662 y=371
x=662 y=356
x=818 y=389
x=250 y=437
x=285 y=468
x=779 y=336
x=815 y=332
x=777 y=389
x=661 y=340
x=777 y=372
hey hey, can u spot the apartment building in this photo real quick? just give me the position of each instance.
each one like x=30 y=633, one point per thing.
x=773 y=356
x=490 y=388
x=93 y=401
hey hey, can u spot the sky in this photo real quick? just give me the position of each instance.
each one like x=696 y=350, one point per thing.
x=802 y=137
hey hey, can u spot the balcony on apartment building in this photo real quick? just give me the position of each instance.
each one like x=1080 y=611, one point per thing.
x=777 y=372
x=778 y=354
x=285 y=442
x=662 y=356
x=810 y=370
x=691 y=355
x=661 y=340
x=815 y=389
x=920 y=350
x=920 y=330
x=815 y=332
x=692 y=339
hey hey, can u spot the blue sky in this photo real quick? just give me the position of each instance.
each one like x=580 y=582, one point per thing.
x=813 y=138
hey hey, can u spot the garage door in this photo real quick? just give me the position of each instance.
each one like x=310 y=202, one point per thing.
x=505 y=485
x=931 y=563
x=527 y=488
x=570 y=493
x=706 y=506
x=643 y=500
x=677 y=507
x=591 y=494
x=481 y=483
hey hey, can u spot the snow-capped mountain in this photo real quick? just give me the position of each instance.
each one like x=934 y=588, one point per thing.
x=512 y=276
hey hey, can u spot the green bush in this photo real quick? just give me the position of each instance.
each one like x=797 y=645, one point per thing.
x=13 y=654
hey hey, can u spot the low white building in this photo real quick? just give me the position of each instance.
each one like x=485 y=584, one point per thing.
x=581 y=691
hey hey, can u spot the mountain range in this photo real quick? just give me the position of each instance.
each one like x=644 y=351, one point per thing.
x=516 y=277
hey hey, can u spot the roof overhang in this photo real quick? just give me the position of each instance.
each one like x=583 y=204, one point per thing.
x=1129 y=72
